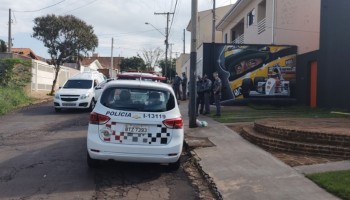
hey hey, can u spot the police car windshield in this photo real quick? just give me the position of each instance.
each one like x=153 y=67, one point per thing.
x=78 y=84
x=136 y=99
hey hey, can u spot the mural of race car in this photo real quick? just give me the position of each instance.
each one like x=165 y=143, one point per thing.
x=273 y=85
x=261 y=71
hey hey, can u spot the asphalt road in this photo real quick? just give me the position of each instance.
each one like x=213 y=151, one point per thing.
x=43 y=156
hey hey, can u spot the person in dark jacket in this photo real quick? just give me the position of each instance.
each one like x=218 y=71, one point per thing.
x=206 y=90
x=200 y=96
x=176 y=87
x=184 y=86
x=217 y=85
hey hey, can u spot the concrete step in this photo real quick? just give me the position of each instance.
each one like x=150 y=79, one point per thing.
x=286 y=145
x=314 y=137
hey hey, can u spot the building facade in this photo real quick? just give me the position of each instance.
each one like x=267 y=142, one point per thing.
x=277 y=22
x=204 y=34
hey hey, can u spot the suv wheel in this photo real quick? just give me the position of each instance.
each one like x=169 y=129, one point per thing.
x=92 y=105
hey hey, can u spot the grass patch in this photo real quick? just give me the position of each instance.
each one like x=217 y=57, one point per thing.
x=12 y=98
x=255 y=112
x=337 y=182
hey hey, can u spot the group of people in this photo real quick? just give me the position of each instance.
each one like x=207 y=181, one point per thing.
x=180 y=82
x=205 y=88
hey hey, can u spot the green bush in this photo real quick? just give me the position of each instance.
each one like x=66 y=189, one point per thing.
x=12 y=98
x=15 y=72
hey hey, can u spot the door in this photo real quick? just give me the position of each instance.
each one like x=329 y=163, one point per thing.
x=313 y=84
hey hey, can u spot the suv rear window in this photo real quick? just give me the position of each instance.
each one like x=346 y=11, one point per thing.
x=78 y=84
x=138 y=99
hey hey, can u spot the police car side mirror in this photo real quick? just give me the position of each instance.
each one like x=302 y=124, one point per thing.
x=98 y=88
x=59 y=87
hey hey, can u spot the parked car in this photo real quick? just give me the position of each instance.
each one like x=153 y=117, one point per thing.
x=136 y=121
x=99 y=88
x=78 y=91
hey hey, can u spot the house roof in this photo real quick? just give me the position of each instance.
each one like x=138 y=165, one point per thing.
x=232 y=13
x=104 y=61
x=25 y=52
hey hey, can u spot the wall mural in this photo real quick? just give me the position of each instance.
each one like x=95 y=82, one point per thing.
x=249 y=71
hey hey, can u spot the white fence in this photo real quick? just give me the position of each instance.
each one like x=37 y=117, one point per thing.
x=44 y=74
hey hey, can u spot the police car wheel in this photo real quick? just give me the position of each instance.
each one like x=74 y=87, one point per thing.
x=174 y=166
x=92 y=163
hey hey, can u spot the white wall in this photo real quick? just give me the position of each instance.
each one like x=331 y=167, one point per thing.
x=44 y=74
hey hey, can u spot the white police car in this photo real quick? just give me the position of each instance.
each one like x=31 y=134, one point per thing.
x=136 y=121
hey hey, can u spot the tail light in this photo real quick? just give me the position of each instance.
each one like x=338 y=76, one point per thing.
x=175 y=123
x=98 y=119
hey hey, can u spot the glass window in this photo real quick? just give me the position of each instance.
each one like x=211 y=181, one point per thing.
x=250 y=17
x=138 y=99
x=78 y=84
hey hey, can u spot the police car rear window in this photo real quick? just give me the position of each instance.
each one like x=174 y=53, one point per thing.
x=138 y=99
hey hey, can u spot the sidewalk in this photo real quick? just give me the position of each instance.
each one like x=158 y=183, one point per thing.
x=243 y=171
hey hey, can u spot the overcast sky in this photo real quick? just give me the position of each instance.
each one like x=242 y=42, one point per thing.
x=124 y=20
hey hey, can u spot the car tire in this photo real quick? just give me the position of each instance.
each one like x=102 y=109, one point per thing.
x=247 y=85
x=57 y=109
x=174 y=166
x=257 y=80
x=92 y=163
x=92 y=105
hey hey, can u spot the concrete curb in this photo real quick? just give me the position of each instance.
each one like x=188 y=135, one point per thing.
x=195 y=160
x=324 y=167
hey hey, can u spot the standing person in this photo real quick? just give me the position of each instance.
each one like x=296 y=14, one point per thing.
x=176 y=86
x=200 y=96
x=206 y=90
x=217 y=86
x=184 y=86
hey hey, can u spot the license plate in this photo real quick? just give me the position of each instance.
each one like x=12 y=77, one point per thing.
x=68 y=104
x=134 y=128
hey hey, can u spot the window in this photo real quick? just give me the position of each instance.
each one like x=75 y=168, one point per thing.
x=233 y=35
x=78 y=84
x=250 y=17
x=262 y=10
x=138 y=99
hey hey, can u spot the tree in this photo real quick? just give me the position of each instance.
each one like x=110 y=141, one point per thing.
x=151 y=57
x=3 y=47
x=65 y=37
x=132 y=64
x=171 y=68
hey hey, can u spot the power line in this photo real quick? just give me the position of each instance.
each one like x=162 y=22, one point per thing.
x=40 y=8
x=126 y=33
x=81 y=6
x=172 y=19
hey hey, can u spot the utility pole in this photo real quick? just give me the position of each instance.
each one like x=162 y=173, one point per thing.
x=9 y=39
x=213 y=28
x=171 y=61
x=184 y=50
x=111 y=68
x=166 y=39
x=193 y=62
